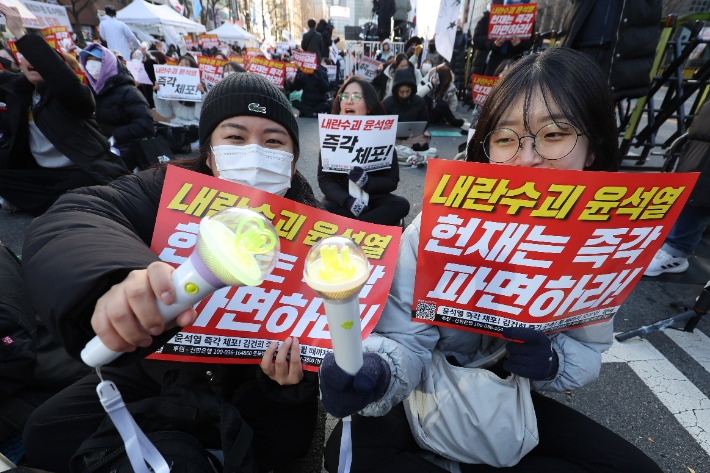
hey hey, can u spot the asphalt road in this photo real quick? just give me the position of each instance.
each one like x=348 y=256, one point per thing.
x=652 y=392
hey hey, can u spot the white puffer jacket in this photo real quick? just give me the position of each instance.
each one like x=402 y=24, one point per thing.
x=178 y=113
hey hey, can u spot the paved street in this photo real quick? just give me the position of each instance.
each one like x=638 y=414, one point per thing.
x=652 y=391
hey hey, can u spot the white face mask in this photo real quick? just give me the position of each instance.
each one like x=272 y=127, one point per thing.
x=93 y=68
x=268 y=170
x=425 y=67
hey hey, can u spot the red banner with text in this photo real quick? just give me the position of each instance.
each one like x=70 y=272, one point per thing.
x=236 y=325
x=507 y=21
x=481 y=87
x=504 y=246
x=274 y=71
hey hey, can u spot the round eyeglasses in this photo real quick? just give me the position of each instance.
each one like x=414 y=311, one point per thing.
x=354 y=97
x=551 y=142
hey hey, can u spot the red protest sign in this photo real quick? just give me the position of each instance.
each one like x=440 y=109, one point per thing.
x=291 y=70
x=15 y=52
x=274 y=71
x=189 y=44
x=305 y=61
x=504 y=246
x=512 y=20
x=60 y=34
x=209 y=40
x=481 y=86
x=252 y=53
x=170 y=61
x=211 y=70
x=238 y=60
x=236 y=325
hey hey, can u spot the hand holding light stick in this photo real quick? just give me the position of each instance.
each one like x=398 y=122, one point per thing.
x=336 y=269
x=235 y=247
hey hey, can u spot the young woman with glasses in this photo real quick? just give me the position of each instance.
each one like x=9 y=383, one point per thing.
x=372 y=200
x=551 y=110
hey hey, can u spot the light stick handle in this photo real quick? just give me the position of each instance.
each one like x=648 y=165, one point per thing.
x=190 y=288
x=345 y=332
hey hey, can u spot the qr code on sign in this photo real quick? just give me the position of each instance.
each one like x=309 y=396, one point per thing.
x=426 y=311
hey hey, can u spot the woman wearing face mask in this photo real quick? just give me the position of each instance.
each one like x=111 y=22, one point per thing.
x=179 y=112
x=105 y=245
x=52 y=142
x=560 y=83
x=231 y=68
x=8 y=61
x=438 y=89
x=425 y=68
x=121 y=110
x=362 y=195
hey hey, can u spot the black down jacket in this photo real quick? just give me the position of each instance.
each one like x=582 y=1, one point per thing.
x=122 y=111
x=629 y=58
x=458 y=59
x=696 y=157
x=411 y=109
x=64 y=114
x=90 y=240
x=314 y=86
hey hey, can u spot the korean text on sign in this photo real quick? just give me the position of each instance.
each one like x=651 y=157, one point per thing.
x=367 y=68
x=512 y=20
x=305 y=61
x=177 y=83
x=189 y=44
x=274 y=71
x=504 y=246
x=236 y=325
x=481 y=87
x=211 y=70
x=365 y=141
x=209 y=41
x=45 y=15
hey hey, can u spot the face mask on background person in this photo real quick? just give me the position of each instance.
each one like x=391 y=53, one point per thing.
x=137 y=56
x=425 y=68
x=93 y=68
x=268 y=170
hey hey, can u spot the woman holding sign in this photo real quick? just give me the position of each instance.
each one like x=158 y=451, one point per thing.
x=105 y=278
x=550 y=111
x=180 y=112
x=362 y=195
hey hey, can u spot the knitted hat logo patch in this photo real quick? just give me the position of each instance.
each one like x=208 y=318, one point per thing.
x=254 y=107
x=7 y=340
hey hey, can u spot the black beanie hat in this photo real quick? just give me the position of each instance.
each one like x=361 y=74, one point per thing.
x=246 y=93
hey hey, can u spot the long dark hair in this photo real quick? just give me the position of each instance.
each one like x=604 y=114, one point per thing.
x=372 y=101
x=569 y=80
x=445 y=78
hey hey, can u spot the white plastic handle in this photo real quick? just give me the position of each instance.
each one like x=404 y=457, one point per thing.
x=190 y=288
x=345 y=332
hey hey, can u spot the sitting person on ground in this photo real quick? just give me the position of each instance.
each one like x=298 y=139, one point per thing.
x=385 y=79
x=688 y=229
x=121 y=110
x=279 y=401
x=57 y=146
x=315 y=87
x=180 y=112
x=374 y=202
x=485 y=420
x=404 y=101
x=438 y=89
x=386 y=52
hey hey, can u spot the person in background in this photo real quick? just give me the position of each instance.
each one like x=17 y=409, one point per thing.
x=116 y=34
x=72 y=62
x=172 y=52
x=177 y=111
x=315 y=87
x=425 y=67
x=480 y=43
x=52 y=144
x=404 y=101
x=433 y=55
x=327 y=35
x=153 y=57
x=385 y=79
x=313 y=41
x=119 y=56
x=386 y=52
x=357 y=98
x=458 y=58
x=8 y=61
x=231 y=68
x=121 y=110
x=438 y=87
x=220 y=55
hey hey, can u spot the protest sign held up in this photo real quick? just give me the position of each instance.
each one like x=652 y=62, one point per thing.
x=177 y=83
x=332 y=71
x=236 y=325
x=189 y=44
x=238 y=60
x=274 y=71
x=362 y=141
x=282 y=47
x=211 y=70
x=367 y=68
x=291 y=70
x=209 y=41
x=481 y=87
x=138 y=71
x=503 y=246
x=252 y=53
x=305 y=61
x=512 y=20
x=45 y=15
x=60 y=34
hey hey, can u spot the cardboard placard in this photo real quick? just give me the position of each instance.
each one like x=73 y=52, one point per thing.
x=334 y=53
x=178 y=83
x=45 y=15
x=170 y=61
x=137 y=69
x=209 y=41
x=211 y=70
x=305 y=61
x=291 y=71
x=25 y=14
x=274 y=71
x=61 y=35
x=367 y=68
x=481 y=87
x=365 y=141
x=512 y=20
x=236 y=325
x=189 y=43
x=282 y=47
x=503 y=246
x=332 y=72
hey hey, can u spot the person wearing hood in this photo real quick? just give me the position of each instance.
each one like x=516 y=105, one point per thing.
x=53 y=143
x=121 y=110
x=386 y=52
x=404 y=101
x=385 y=80
x=439 y=90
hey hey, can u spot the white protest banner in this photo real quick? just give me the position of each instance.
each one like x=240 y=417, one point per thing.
x=332 y=71
x=511 y=20
x=210 y=80
x=138 y=71
x=305 y=61
x=367 y=68
x=334 y=53
x=178 y=83
x=25 y=14
x=45 y=16
x=281 y=47
x=362 y=141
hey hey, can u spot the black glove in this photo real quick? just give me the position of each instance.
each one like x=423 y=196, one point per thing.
x=336 y=40
x=534 y=358
x=358 y=176
x=356 y=206
x=343 y=394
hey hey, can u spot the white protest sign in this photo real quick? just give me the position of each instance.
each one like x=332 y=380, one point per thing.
x=210 y=80
x=138 y=71
x=365 y=141
x=178 y=83
x=367 y=68
x=281 y=47
x=334 y=52
x=25 y=14
x=45 y=15
x=332 y=71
